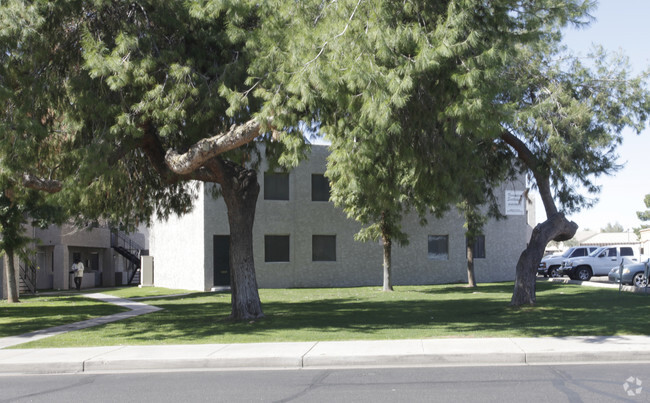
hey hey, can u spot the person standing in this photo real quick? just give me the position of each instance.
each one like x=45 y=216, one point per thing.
x=78 y=269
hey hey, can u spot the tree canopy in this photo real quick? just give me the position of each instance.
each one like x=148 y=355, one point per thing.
x=616 y=227
x=142 y=98
x=645 y=215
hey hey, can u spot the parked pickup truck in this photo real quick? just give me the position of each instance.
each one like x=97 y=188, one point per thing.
x=551 y=263
x=598 y=263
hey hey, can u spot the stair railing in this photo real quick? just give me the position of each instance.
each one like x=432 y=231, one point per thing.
x=128 y=248
x=28 y=272
x=120 y=239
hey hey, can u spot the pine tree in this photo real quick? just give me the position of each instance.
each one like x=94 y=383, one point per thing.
x=616 y=227
x=406 y=92
x=567 y=120
x=150 y=96
x=645 y=215
x=30 y=158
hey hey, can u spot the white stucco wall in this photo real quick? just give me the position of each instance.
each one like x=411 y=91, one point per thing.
x=178 y=248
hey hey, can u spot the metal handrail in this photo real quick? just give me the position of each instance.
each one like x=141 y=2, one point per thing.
x=126 y=242
x=28 y=275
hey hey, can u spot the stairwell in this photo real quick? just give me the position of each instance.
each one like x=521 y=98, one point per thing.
x=131 y=250
x=27 y=277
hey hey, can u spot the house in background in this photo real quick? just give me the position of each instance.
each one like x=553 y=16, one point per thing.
x=611 y=238
x=645 y=242
x=110 y=258
x=302 y=240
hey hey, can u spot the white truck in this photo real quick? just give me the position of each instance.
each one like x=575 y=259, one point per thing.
x=599 y=263
x=550 y=264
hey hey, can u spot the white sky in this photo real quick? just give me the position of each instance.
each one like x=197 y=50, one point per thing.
x=619 y=25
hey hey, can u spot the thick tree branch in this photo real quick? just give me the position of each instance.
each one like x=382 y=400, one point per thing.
x=531 y=161
x=153 y=148
x=204 y=150
x=46 y=185
x=522 y=150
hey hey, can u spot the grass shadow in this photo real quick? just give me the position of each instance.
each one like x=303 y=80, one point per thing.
x=365 y=313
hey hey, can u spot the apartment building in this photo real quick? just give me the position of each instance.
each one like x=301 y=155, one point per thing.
x=302 y=240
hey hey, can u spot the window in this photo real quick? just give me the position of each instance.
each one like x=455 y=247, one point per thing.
x=579 y=252
x=320 y=188
x=479 y=247
x=627 y=251
x=439 y=247
x=323 y=248
x=276 y=248
x=276 y=186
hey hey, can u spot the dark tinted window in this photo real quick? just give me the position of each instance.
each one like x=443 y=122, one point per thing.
x=320 y=188
x=579 y=252
x=479 y=247
x=611 y=252
x=276 y=186
x=438 y=247
x=276 y=248
x=627 y=251
x=323 y=248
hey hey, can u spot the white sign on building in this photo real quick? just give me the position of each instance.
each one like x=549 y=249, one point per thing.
x=515 y=202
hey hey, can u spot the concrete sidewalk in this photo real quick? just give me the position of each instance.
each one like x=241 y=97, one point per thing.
x=345 y=354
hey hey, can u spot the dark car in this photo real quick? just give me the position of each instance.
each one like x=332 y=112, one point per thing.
x=634 y=274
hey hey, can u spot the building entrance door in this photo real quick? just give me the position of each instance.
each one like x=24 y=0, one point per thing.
x=221 y=252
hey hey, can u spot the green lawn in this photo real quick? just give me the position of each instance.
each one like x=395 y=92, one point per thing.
x=368 y=313
x=41 y=312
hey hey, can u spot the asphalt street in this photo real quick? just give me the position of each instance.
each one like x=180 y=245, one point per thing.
x=540 y=383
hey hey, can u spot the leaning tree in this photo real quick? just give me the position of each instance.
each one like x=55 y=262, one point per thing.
x=567 y=120
x=407 y=93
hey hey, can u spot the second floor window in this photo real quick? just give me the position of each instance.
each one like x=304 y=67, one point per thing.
x=320 y=188
x=276 y=186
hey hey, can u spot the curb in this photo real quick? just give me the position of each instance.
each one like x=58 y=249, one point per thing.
x=319 y=355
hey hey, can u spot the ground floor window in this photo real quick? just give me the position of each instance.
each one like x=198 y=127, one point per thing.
x=439 y=247
x=276 y=248
x=323 y=248
x=479 y=247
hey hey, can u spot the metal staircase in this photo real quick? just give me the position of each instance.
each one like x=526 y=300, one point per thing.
x=128 y=248
x=27 y=277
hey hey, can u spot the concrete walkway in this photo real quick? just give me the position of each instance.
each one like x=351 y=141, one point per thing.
x=135 y=309
x=374 y=353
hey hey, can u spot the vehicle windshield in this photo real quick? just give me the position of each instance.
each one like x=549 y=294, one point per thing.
x=597 y=251
x=568 y=252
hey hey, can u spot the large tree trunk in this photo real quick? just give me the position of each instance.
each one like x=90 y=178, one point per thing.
x=471 y=280
x=388 y=284
x=10 y=278
x=557 y=228
x=240 y=190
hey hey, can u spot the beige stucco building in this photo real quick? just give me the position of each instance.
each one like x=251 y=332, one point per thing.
x=303 y=240
x=55 y=249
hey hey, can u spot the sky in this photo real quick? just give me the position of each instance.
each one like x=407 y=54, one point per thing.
x=620 y=25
